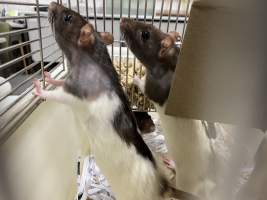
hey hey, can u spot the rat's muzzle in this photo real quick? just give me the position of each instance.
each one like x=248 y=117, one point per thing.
x=52 y=8
x=125 y=24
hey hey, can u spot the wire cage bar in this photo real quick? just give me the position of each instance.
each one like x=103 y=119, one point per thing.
x=37 y=51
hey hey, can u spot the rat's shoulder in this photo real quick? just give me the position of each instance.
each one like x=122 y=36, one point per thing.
x=71 y=86
x=86 y=82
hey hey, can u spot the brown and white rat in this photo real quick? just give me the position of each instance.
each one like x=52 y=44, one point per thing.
x=186 y=139
x=209 y=156
x=93 y=90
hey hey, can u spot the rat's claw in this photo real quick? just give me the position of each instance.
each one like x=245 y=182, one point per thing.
x=48 y=78
x=169 y=163
x=47 y=74
x=37 y=88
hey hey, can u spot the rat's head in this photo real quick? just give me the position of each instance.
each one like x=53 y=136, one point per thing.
x=150 y=45
x=72 y=31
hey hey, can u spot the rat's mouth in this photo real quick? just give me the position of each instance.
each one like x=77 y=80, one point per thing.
x=126 y=40
x=52 y=9
x=51 y=20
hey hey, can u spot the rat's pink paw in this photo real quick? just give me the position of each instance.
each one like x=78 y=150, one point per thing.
x=140 y=83
x=136 y=80
x=48 y=77
x=38 y=91
x=169 y=163
x=50 y=80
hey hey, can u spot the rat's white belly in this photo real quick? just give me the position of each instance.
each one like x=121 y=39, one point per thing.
x=130 y=175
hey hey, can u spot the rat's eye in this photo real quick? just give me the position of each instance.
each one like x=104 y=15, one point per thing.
x=67 y=18
x=145 y=35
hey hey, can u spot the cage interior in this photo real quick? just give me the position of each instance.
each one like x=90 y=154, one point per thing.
x=28 y=48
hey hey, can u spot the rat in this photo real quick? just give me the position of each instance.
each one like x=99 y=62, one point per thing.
x=157 y=52
x=209 y=156
x=186 y=139
x=93 y=90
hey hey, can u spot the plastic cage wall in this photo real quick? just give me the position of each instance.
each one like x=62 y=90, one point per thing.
x=28 y=48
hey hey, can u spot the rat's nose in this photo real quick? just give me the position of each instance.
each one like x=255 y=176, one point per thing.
x=124 y=23
x=124 y=20
x=52 y=7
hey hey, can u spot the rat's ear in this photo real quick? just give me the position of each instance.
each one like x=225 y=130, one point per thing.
x=168 y=43
x=86 y=38
x=175 y=36
x=166 y=49
x=106 y=37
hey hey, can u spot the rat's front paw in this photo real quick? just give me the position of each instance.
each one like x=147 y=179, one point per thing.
x=48 y=77
x=38 y=91
x=169 y=163
x=50 y=80
x=140 y=83
x=136 y=81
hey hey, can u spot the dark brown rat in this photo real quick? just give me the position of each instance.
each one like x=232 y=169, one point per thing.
x=93 y=90
x=186 y=139
x=201 y=162
x=157 y=51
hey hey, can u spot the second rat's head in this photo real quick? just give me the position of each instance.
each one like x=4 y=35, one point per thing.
x=72 y=31
x=149 y=44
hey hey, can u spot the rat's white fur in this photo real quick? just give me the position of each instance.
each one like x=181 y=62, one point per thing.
x=130 y=175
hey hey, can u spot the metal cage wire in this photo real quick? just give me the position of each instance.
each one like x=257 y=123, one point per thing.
x=105 y=16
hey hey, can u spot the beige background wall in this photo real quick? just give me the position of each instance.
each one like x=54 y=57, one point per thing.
x=38 y=161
